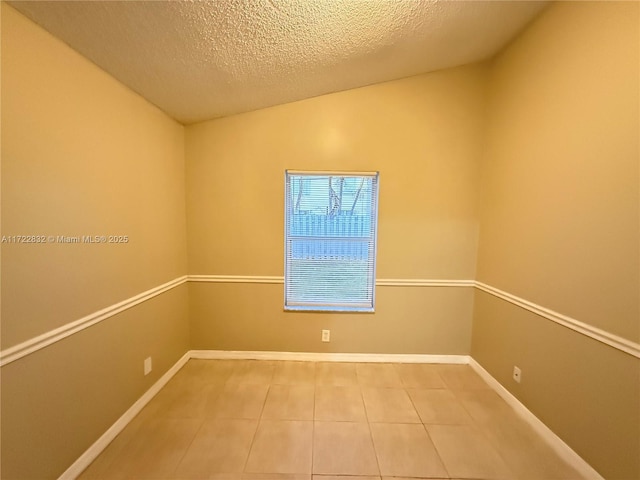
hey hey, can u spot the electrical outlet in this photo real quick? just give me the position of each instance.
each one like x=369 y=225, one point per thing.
x=147 y=366
x=326 y=335
x=517 y=374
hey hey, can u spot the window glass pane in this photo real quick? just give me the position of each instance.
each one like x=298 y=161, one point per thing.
x=330 y=241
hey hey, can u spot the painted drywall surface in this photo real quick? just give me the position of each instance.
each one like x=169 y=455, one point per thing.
x=57 y=402
x=559 y=225
x=433 y=320
x=82 y=155
x=560 y=217
x=586 y=391
x=423 y=135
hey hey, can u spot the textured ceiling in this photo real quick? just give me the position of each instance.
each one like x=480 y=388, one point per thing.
x=198 y=60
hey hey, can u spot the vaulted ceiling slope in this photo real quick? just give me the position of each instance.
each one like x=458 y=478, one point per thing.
x=198 y=60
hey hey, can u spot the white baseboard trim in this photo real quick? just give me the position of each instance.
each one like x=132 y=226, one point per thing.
x=328 y=357
x=554 y=441
x=99 y=445
x=107 y=437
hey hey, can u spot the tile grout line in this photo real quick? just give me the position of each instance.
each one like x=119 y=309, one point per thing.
x=366 y=414
x=424 y=426
x=313 y=420
x=259 y=420
x=186 y=450
x=435 y=448
x=496 y=448
x=459 y=385
x=373 y=444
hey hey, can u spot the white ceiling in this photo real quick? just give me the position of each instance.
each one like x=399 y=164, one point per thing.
x=198 y=60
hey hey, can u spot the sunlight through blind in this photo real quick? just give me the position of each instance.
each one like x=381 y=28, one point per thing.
x=330 y=240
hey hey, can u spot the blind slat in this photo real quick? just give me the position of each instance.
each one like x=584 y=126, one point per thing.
x=330 y=241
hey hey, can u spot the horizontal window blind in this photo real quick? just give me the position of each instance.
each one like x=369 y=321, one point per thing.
x=330 y=240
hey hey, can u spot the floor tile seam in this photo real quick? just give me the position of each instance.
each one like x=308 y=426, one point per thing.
x=477 y=424
x=386 y=422
x=487 y=440
x=396 y=422
x=255 y=433
x=415 y=408
x=313 y=428
x=342 y=422
x=364 y=405
x=379 y=475
x=184 y=454
x=106 y=467
x=475 y=420
x=441 y=377
x=373 y=445
x=492 y=443
x=346 y=475
x=435 y=448
x=442 y=424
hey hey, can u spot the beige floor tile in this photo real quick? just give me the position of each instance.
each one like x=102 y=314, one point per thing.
x=289 y=402
x=114 y=451
x=220 y=446
x=340 y=404
x=418 y=375
x=405 y=450
x=281 y=446
x=346 y=477
x=190 y=425
x=412 y=478
x=461 y=377
x=240 y=401
x=155 y=450
x=163 y=400
x=336 y=374
x=343 y=448
x=438 y=406
x=378 y=375
x=294 y=373
x=389 y=405
x=276 y=476
x=192 y=400
x=484 y=405
x=467 y=453
x=225 y=476
x=207 y=371
x=253 y=372
x=525 y=452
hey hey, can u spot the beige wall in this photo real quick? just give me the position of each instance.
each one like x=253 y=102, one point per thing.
x=82 y=155
x=560 y=225
x=423 y=135
x=546 y=136
x=560 y=216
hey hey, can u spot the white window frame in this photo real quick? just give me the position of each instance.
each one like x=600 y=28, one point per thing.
x=364 y=303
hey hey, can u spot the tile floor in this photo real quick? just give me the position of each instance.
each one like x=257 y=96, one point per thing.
x=268 y=420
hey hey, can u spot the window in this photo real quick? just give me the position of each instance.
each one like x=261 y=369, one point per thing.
x=330 y=241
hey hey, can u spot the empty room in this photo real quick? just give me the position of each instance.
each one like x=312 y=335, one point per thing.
x=320 y=240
